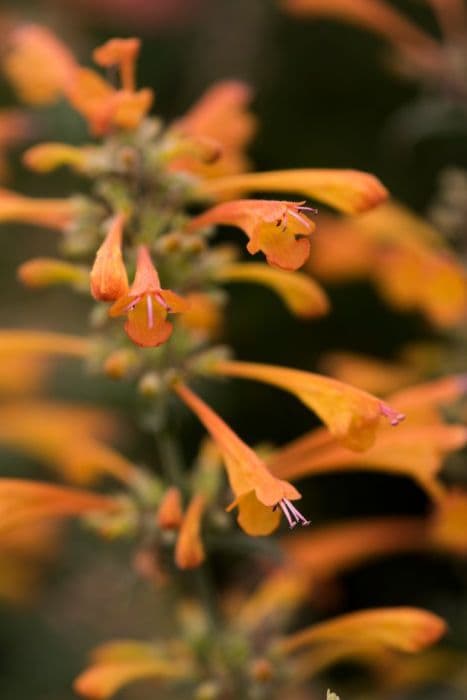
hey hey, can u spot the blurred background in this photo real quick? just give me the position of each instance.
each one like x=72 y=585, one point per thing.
x=325 y=96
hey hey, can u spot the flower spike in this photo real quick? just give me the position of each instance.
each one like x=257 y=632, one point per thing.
x=258 y=494
x=147 y=305
x=279 y=229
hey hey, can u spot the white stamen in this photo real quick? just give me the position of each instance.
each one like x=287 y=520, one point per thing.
x=150 y=311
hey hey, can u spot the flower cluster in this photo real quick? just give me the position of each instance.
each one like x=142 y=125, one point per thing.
x=139 y=245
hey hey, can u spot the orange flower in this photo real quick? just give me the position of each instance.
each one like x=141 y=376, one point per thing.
x=351 y=415
x=189 y=550
x=302 y=295
x=22 y=373
x=119 y=663
x=13 y=340
x=147 y=305
x=368 y=373
x=219 y=127
x=170 y=514
x=104 y=107
x=44 y=272
x=38 y=64
x=28 y=502
x=258 y=494
x=388 y=238
x=279 y=229
x=45 y=157
x=122 y=53
x=203 y=317
x=51 y=213
x=448 y=524
x=109 y=280
x=401 y=629
x=25 y=553
x=416 y=450
x=350 y=191
x=67 y=438
x=424 y=400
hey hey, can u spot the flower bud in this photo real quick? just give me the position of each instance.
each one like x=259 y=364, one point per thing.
x=109 y=279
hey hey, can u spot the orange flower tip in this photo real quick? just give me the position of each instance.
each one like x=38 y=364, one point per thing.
x=109 y=280
x=114 y=50
x=170 y=514
x=394 y=417
x=292 y=514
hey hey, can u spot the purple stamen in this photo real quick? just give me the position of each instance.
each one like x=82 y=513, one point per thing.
x=292 y=514
x=284 y=509
x=132 y=305
x=312 y=210
x=150 y=311
x=393 y=416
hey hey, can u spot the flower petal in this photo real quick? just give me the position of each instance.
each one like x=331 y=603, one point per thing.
x=23 y=501
x=402 y=629
x=189 y=550
x=302 y=295
x=350 y=191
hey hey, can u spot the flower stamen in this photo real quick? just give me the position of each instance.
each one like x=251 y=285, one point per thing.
x=292 y=514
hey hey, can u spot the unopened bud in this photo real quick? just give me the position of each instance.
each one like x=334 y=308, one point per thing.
x=120 y=363
x=150 y=385
x=210 y=690
x=170 y=514
x=261 y=670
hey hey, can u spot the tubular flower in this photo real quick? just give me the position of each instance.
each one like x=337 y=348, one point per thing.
x=51 y=213
x=170 y=514
x=221 y=126
x=67 y=438
x=109 y=280
x=38 y=64
x=258 y=494
x=400 y=629
x=448 y=524
x=44 y=272
x=102 y=106
x=349 y=191
x=45 y=157
x=351 y=415
x=392 y=237
x=42 y=343
x=369 y=373
x=22 y=374
x=189 y=550
x=417 y=451
x=278 y=229
x=29 y=502
x=147 y=305
x=300 y=294
x=123 y=54
x=116 y=664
